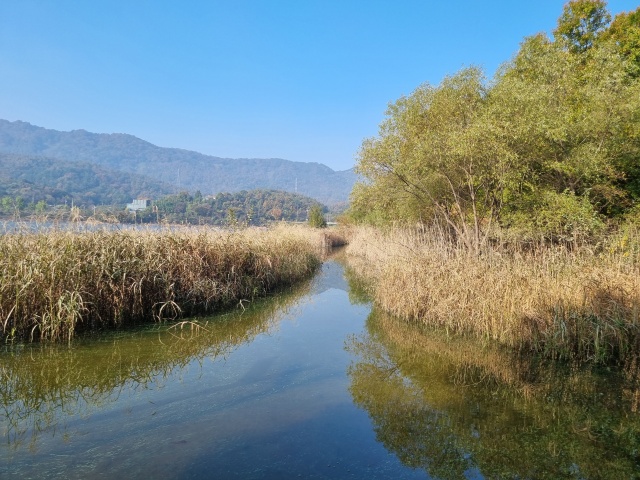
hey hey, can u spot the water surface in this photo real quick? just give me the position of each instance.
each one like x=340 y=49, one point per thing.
x=256 y=394
x=312 y=384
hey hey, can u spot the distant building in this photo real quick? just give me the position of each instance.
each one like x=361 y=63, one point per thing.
x=138 y=204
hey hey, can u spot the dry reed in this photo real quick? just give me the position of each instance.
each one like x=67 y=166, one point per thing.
x=56 y=283
x=564 y=304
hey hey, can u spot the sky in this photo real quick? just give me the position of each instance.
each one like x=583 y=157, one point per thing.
x=303 y=80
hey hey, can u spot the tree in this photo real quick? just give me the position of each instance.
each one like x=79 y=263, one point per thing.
x=571 y=121
x=624 y=32
x=581 y=23
x=316 y=217
x=436 y=157
x=551 y=146
x=41 y=207
x=232 y=219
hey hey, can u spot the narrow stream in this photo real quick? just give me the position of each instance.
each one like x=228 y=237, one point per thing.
x=309 y=384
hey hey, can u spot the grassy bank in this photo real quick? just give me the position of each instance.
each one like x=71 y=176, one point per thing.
x=57 y=283
x=582 y=304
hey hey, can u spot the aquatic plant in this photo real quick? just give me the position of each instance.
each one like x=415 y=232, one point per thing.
x=56 y=283
x=568 y=304
x=35 y=397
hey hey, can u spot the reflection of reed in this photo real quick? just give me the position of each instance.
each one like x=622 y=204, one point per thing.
x=447 y=405
x=40 y=385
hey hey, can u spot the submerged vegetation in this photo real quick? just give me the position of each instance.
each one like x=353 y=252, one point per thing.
x=57 y=283
x=35 y=397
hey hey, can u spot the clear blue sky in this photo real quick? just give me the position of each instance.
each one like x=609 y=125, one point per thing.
x=304 y=80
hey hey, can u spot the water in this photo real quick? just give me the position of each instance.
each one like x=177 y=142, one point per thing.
x=310 y=384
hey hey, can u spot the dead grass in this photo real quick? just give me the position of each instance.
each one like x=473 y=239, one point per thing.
x=55 y=283
x=564 y=304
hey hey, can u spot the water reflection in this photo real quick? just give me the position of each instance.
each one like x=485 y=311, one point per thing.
x=261 y=395
x=271 y=392
x=455 y=408
x=43 y=385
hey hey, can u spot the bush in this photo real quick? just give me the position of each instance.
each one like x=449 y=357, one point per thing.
x=316 y=217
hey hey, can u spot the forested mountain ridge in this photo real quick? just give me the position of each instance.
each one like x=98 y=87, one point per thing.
x=56 y=182
x=183 y=169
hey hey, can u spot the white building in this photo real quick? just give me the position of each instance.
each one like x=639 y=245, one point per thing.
x=138 y=204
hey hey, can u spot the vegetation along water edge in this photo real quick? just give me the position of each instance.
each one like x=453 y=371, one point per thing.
x=510 y=207
x=566 y=304
x=57 y=283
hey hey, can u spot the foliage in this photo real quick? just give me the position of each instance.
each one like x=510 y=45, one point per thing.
x=56 y=283
x=564 y=303
x=255 y=207
x=56 y=182
x=316 y=217
x=624 y=32
x=581 y=23
x=549 y=147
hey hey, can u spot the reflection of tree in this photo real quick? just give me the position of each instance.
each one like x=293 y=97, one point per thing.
x=359 y=288
x=419 y=435
x=338 y=274
x=446 y=406
x=41 y=384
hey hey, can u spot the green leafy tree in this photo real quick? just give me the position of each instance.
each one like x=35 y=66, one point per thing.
x=551 y=146
x=624 y=32
x=316 y=217
x=40 y=207
x=436 y=157
x=232 y=218
x=573 y=126
x=581 y=23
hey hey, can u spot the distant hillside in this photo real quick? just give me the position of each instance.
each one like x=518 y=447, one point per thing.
x=183 y=169
x=55 y=181
x=254 y=207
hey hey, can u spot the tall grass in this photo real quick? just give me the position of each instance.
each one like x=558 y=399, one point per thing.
x=56 y=283
x=566 y=304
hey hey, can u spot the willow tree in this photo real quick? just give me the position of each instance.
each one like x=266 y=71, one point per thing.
x=571 y=117
x=551 y=146
x=436 y=157
x=624 y=33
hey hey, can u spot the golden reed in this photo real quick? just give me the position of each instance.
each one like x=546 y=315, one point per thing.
x=56 y=283
x=566 y=304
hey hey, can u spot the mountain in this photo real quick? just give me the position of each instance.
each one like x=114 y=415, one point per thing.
x=56 y=181
x=182 y=169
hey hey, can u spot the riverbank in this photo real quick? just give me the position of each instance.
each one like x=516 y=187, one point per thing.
x=57 y=283
x=579 y=304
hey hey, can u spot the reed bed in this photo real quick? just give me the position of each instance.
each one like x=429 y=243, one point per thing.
x=565 y=304
x=57 y=283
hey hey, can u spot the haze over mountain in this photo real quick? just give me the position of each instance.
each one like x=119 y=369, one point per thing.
x=180 y=169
